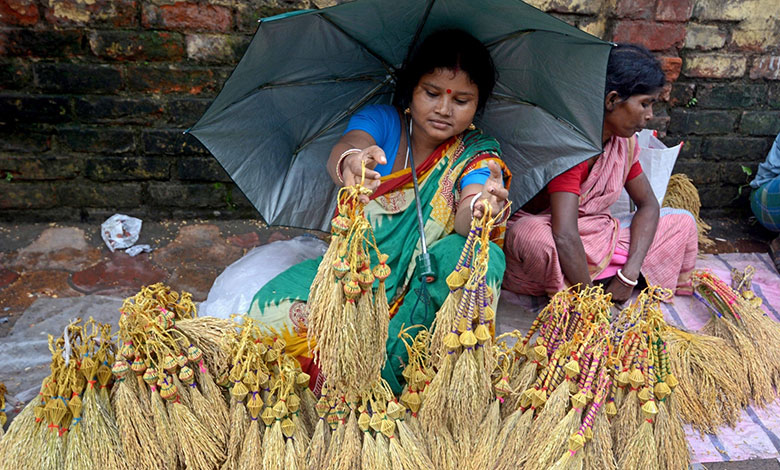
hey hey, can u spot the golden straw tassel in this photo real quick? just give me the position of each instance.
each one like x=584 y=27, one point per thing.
x=239 y=420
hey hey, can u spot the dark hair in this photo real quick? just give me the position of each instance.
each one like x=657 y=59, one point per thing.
x=633 y=70
x=448 y=49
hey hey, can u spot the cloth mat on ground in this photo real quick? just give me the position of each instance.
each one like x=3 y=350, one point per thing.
x=757 y=435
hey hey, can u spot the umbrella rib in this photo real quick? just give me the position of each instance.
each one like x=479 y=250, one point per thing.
x=509 y=36
x=361 y=78
x=339 y=117
x=417 y=33
x=389 y=67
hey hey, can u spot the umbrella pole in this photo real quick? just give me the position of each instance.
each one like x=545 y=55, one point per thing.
x=424 y=260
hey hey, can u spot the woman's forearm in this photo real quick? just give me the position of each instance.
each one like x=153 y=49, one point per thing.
x=643 y=227
x=571 y=255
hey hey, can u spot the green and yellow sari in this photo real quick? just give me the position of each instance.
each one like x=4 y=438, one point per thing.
x=281 y=303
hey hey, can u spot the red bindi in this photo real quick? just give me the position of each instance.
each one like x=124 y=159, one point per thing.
x=449 y=91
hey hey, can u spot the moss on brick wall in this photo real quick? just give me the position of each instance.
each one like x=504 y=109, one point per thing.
x=94 y=96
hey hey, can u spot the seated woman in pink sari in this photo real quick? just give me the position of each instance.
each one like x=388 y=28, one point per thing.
x=566 y=234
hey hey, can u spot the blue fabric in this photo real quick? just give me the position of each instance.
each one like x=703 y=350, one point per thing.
x=382 y=123
x=765 y=203
x=770 y=169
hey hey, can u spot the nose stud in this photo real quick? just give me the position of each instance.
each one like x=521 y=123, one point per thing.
x=449 y=91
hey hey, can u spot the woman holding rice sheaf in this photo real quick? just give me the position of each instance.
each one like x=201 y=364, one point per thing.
x=566 y=234
x=447 y=81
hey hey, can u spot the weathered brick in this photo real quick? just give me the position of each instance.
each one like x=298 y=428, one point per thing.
x=247 y=13
x=216 y=48
x=103 y=140
x=101 y=13
x=77 y=78
x=43 y=43
x=23 y=195
x=730 y=95
x=773 y=97
x=685 y=121
x=111 y=109
x=104 y=195
x=579 y=7
x=759 y=36
x=731 y=173
x=24 y=139
x=734 y=148
x=171 y=142
x=655 y=36
x=767 y=66
x=715 y=65
x=26 y=109
x=760 y=123
x=41 y=168
x=671 y=67
x=194 y=81
x=682 y=93
x=15 y=75
x=673 y=10
x=718 y=196
x=190 y=195
x=699 y=172
x=635 y=9
x=691 y=148
x=720 y=10
x=19 y=12
x=185 y=16
x=185 y=111
x=127 y=168
x=137 y=46
x=201 y=169
x=704 y=37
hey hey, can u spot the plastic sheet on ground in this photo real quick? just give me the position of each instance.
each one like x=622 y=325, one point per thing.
x=120 y=231
x=757 y=434
x=233 y=290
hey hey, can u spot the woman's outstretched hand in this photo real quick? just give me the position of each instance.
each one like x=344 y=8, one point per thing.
x=620 y=292
x=352 y=167
x=493 y=190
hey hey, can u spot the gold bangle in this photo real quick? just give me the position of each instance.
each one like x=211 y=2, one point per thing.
x=341 y=160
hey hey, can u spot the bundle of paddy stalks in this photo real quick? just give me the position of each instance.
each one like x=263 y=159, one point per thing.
x=647 y=429
x=69 y=425
x=3 y=416
x=744 y=328
x=682 y=194
x=347 y=323
x=462 y=348
x=744 y=309
x=167 y=404
x=265 y=384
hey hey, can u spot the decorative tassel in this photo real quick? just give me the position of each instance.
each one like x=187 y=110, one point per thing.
x=200 y=449
x=670 y=437
x=135 y=430
x=557 y=440
x=163 y=430
x=382 y=449
x=368 y=452
x=251 y=457
x=418 y=458
x=626 y=422
x=483 y=452
x=598 y=452
x=641 y=450
x=334 y=448
x=318 y=448
x=77 y=455
x=516 y=444
x=433 y=413
x=239 y=420
x=349 y=453
x=291 y=460
x=101 y=432
x=273 y=447
x=443 y=450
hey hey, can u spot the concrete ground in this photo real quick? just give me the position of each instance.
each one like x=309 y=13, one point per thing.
x=52 y=272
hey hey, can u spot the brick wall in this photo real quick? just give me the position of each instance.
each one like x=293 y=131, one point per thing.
x=94 y=95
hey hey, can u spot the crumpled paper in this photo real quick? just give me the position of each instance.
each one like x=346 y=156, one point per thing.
x=120 y=231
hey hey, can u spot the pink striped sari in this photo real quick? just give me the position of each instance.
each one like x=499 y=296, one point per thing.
x=532 y=266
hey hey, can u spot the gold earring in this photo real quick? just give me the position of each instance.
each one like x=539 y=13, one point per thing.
x=407 y=111
x=472 y=127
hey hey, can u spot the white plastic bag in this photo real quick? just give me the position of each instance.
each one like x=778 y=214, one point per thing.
x=120 y=231
x=657 y=162
x=233 y=290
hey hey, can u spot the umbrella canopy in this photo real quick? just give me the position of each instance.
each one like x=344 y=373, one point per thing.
x=304 y=74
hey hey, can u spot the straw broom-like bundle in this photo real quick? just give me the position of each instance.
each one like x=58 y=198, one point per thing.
x=318 y=446
x=200 y=449
x=409 y=441
x=682 y=194
x=344 y=329
x=368 y=451
x=487 y=433
x=626 y=422
x=641 y=451
x=15 y=449
x=713 y=386
x=338 y=427
x=350 y=451
x=757 y=373
x=238 y=430
x=598 y=452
